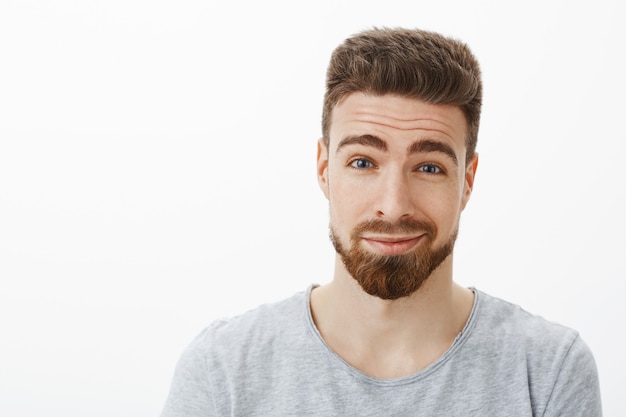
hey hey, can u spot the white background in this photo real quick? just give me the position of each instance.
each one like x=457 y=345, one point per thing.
x=157 y=171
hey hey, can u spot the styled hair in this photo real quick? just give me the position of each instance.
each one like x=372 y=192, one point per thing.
x=410 y=63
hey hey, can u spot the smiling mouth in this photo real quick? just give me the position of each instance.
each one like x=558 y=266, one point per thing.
x=392 y=245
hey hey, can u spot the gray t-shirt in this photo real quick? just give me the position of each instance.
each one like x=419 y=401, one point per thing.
x=271 y=361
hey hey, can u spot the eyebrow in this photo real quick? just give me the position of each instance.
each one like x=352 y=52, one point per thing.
x=429 y=145
x=366 y=140
x=419 y=146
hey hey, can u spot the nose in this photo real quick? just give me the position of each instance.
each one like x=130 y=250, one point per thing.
x=394 y=200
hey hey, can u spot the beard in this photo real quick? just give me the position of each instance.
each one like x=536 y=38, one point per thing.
x=390 y=277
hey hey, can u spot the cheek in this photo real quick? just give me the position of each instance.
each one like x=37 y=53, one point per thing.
x=342 y=205
x=347 y=207
x=443 y=207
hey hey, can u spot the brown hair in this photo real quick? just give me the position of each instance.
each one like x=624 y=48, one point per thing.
x=411 y=63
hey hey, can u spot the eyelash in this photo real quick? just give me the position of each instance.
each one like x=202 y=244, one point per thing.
x=352 y=163
x=438 y=169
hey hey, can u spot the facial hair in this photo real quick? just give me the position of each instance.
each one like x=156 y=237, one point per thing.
x=390 y=277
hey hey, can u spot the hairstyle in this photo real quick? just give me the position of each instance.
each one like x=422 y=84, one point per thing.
x=411 y=63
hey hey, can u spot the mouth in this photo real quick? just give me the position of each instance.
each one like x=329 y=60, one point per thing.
x=392 y=245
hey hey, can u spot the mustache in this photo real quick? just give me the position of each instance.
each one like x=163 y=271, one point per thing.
x=405 y=226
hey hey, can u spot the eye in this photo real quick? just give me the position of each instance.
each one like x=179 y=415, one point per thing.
x=430 y=169
x=361 y=163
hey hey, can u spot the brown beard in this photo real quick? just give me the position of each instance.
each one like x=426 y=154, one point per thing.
x=393 y=276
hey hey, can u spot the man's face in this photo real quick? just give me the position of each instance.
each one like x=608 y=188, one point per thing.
x=396 y=180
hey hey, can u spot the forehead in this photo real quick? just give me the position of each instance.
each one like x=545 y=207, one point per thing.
x=394 y=117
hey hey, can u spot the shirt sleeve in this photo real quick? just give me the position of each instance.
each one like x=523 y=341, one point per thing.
x=576 y=391
x=190 y=391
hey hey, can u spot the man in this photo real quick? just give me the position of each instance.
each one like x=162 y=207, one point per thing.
x=391 y=334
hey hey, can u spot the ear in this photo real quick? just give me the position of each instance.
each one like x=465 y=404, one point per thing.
x=470 y=174
x=322 y=166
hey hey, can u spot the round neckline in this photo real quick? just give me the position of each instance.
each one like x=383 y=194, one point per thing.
x=403 y=380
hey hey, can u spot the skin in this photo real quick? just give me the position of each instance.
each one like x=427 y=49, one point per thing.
x=393 y=158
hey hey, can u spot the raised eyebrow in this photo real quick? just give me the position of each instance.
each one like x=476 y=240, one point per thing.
x=365 y=140
x=429 y=145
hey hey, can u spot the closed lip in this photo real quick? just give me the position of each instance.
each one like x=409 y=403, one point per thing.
x=391 y=239
x=392 y=245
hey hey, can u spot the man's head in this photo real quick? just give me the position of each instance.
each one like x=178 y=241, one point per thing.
x=397 y=159
x=410 y=63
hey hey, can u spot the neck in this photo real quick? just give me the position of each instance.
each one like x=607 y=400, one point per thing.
x=391 y=338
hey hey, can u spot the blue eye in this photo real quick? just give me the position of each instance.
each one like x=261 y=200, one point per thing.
x=361 y=163
x=430 y=169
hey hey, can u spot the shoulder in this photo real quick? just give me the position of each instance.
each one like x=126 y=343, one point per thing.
x=507 y=320
x=554 y=361
x=505 y=329
x=255 y=327
x=226 y=349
